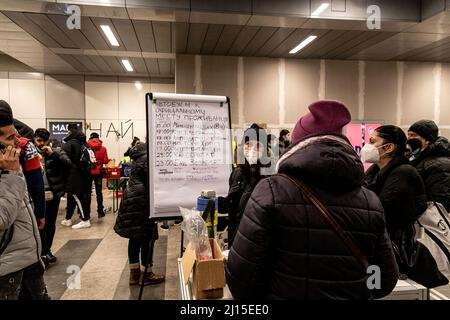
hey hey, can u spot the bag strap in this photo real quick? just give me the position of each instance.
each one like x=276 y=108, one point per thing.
x=326 y=214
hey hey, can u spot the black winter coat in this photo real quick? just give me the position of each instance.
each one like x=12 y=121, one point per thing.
x=57 y=166
x=133 y=218
x=401 y=191
x=285 y=249
x=77 y=181
x=433 y=164
x=242 y=183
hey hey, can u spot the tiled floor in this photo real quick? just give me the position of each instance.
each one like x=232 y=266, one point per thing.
x=93 y=263
x=445 y=290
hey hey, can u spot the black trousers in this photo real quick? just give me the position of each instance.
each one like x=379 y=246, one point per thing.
x=141 y=246
x=78 y=201
x=26 y=284
x=98 y=191
x=48 y=234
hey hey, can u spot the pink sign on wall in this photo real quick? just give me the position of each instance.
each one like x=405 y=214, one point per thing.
x=359 y=134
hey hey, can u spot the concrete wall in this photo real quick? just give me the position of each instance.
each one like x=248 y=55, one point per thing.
x=278 y=91
x=107 y=104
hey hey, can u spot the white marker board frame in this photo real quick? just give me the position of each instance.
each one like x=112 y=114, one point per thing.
x=172 y=212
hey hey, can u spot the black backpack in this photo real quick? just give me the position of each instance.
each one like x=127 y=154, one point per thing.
x=88 y=161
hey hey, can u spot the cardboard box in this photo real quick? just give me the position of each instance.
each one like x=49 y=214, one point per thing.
x=208 y=276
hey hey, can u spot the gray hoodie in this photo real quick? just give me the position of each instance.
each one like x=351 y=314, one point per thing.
x=24 y=249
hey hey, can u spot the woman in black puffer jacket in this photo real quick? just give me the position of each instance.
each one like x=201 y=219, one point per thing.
x=133 y=220
x=402 y=193
x=397 y=183
x=285 y=249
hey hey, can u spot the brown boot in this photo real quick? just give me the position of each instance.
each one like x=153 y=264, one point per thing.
x=135 y=273
x=150 y=278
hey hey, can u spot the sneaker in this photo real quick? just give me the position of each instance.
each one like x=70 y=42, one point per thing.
x=150 y=278
x=66 y=222
x=101 y=214
x=82 y=225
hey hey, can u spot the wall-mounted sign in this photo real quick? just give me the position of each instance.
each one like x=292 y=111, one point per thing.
x=58 y=128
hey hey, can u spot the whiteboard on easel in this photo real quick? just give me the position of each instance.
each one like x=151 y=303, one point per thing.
x=189 y=148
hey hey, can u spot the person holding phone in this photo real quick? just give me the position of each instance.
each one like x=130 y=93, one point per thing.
x=21 y=266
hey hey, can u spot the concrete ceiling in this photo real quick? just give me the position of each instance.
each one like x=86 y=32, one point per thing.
x=151 y=33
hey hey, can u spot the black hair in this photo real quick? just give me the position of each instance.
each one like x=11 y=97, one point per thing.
x=135 y=140
x=72 y=126
x=42 y=133
x=271 y=138
x=283 y=133
x=395 y=135
x=94 y=135
x=6 y=116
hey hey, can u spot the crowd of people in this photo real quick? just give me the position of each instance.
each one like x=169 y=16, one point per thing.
x=305 y=220
x=34 y=178
x=282 y=247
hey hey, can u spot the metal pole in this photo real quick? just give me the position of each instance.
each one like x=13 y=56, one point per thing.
x=181 y=244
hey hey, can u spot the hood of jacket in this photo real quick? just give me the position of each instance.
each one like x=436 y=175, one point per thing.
x=138 y=151
x=327 y=161
x=441 y=148
x=95 y=144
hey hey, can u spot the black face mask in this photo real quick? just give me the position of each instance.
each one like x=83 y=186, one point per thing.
x=415 y=144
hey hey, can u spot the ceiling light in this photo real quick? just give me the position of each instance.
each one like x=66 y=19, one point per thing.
x=110 y=35
x=126 y=63
x=138 y=85
x=303 y=44
x=320 y=9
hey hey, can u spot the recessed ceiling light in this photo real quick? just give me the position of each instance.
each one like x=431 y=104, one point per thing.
x=303 y=44
x=138 y=85
x=320 y=9
x=126 y=63
x=110 y=35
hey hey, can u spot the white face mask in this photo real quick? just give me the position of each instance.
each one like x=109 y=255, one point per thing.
x=252 y=156
x=370 y=154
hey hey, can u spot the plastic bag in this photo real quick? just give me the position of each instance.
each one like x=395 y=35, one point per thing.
x=196 y=231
